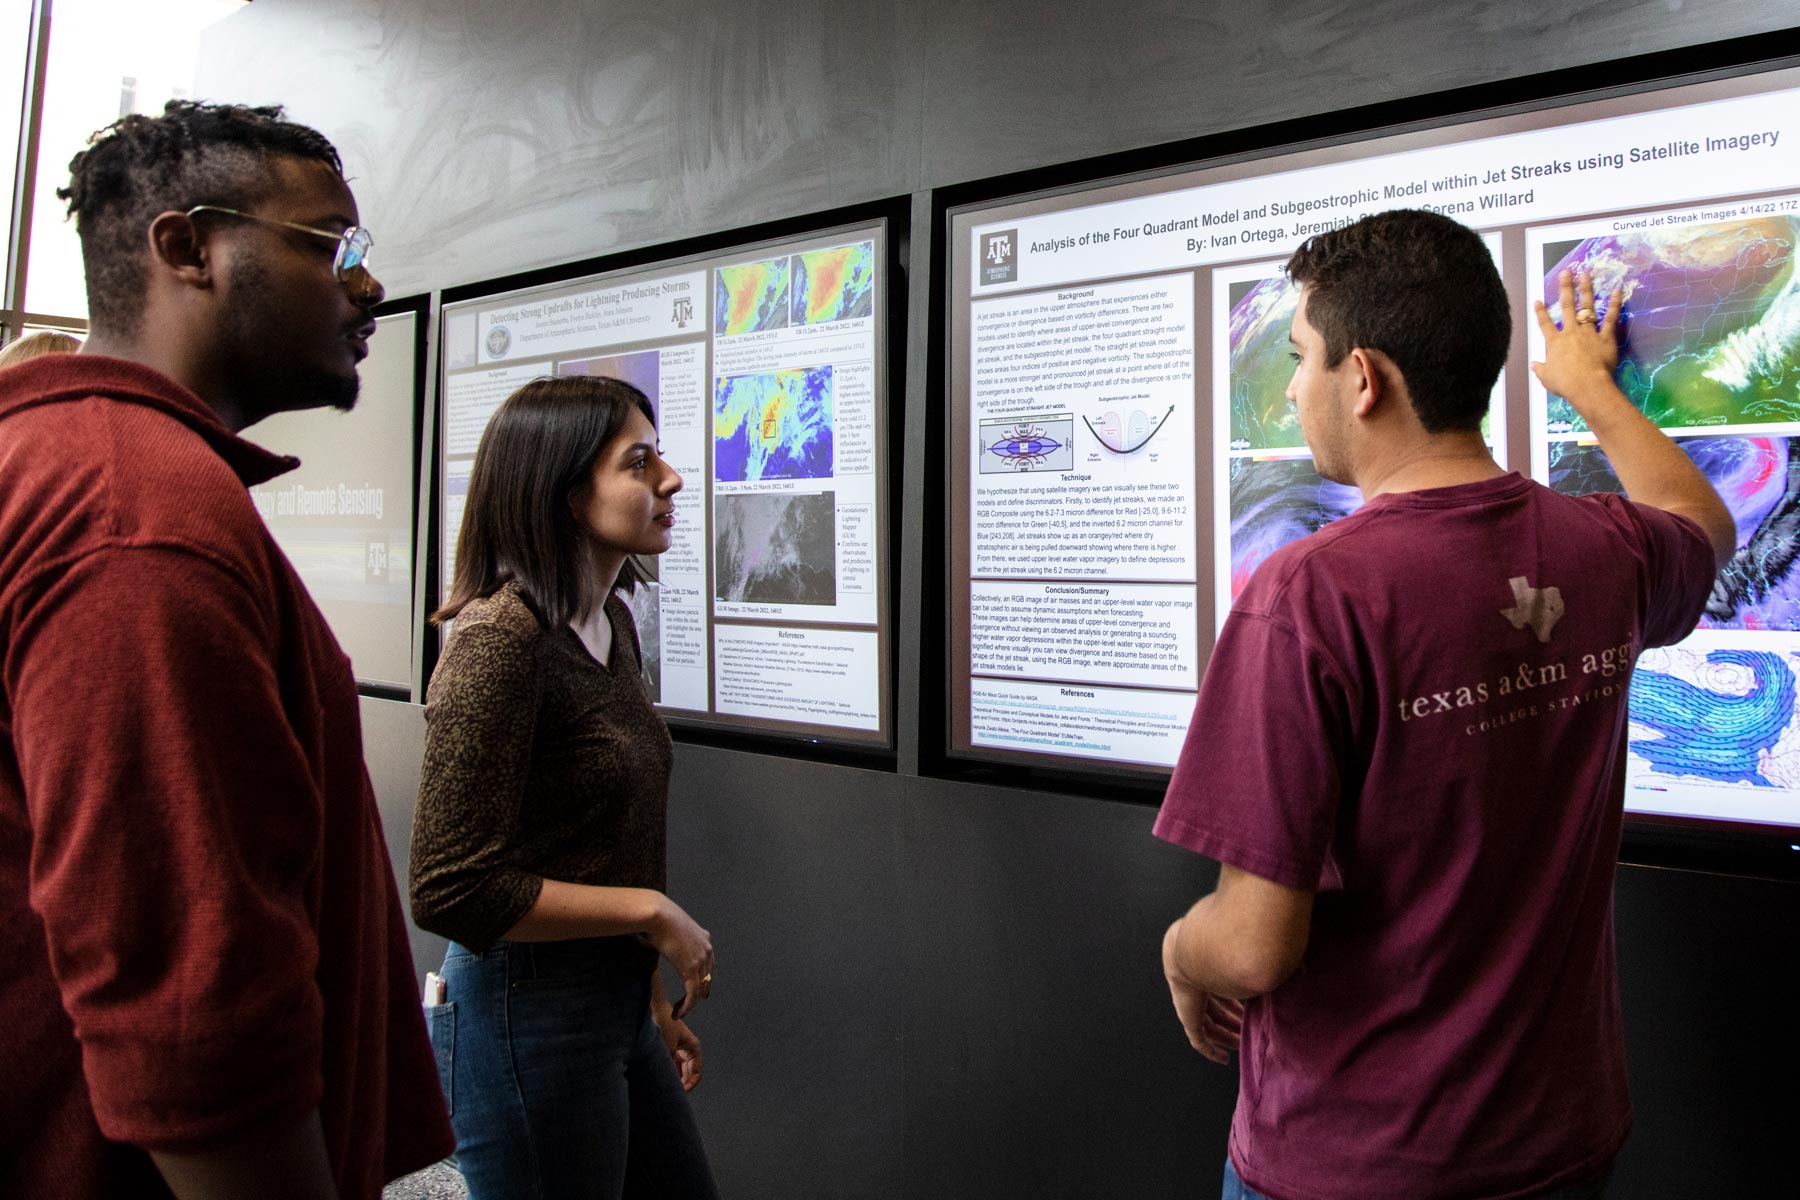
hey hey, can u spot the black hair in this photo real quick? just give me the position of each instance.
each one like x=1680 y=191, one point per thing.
x=535 y=462
x=1422 y=289
x=142 y=166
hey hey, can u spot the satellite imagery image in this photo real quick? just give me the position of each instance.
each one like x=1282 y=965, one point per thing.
x=1262 y=417
x=773 y=425
x=834 y=285
x=751 y=297
x=1711 y=330
x=1759 y=480
x=1720 y=716
x=776 y=548
x=1277 y=501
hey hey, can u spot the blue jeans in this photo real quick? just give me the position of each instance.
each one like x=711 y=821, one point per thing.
x=1593 y=1189
x=558 y=1081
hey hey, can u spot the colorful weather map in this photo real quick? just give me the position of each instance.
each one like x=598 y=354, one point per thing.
x=751 y=297
x=773 y=425
x=1262 y=417
x=835 y=284
x=1759 y=480
x=1711 y=327
x=1277 y=501
x=1722 y=716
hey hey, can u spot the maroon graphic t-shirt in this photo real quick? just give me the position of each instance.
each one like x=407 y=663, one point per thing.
x=1419 y=713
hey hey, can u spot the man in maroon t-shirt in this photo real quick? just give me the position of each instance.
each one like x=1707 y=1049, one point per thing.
x=207 y=988
x=1408 y=754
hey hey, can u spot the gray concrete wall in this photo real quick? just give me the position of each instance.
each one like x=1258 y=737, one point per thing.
x=490 y=137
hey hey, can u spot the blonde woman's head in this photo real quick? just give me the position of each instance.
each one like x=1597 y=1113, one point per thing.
x=33 y=345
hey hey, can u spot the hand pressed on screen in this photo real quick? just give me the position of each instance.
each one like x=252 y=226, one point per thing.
x=1581 y=355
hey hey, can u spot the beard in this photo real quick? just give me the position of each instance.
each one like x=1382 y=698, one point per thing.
x=252 y=329
x=334 y=391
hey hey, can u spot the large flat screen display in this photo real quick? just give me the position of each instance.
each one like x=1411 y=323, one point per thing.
x=344 y=517
x=766 y=365
x=1123 y=455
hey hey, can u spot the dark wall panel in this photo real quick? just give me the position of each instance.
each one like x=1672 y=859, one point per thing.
x=1042 y=1056
x=1709 y=968
x=795 y=870
x=1027 y=83
x=487 y=138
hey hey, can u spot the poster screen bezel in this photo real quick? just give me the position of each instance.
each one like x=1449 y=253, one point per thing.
x=1742 y=66
x=884 y=221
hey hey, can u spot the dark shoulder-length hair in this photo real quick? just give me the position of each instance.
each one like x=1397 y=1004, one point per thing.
x=533 y=466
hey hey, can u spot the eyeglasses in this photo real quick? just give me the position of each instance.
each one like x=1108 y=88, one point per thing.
x=353 y=244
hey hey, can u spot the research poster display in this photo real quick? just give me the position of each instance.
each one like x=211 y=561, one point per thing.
x=1124 y=456
x=766 y=369
x=344 y=517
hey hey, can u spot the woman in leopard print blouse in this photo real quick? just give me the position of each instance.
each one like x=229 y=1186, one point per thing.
x=538 y=843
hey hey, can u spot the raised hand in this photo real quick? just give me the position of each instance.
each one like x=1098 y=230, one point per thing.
x=1583 y=351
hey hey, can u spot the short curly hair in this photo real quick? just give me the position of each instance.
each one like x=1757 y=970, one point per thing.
x=141 y=166
x=1422 y=289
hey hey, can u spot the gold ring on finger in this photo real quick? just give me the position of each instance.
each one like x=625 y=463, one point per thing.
x=1584 y=316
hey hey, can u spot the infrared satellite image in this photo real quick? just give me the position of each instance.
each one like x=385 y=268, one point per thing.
x=751 y=297
x=774 y=425
x=1759 y=480
x=1711 y=330
x=835 y=284
x=1274 y=502
x=776 y=548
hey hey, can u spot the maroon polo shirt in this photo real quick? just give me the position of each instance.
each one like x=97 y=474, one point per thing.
x=201 y=935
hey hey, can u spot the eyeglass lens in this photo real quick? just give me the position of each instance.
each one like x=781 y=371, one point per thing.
x=353 y=250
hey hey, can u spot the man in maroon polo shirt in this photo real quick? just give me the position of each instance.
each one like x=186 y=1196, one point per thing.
x=1408 y=754
x=207 y=987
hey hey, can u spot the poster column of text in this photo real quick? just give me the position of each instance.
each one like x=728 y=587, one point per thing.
x=1082 y=520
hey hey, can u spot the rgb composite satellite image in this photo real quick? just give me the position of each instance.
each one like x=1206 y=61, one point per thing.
x=1710 y=340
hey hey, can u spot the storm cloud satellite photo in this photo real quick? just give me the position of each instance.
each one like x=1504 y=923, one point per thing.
x=776 y=548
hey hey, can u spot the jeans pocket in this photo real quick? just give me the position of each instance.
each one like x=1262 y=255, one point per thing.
x=440 y=1023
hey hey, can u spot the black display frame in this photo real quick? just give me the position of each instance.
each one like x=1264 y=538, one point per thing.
x=419 y=307
x=1675 y=842
x=895 y=215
